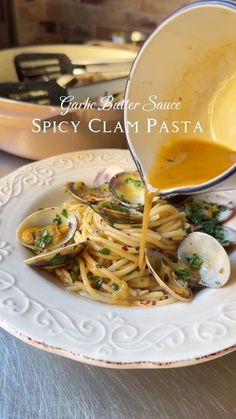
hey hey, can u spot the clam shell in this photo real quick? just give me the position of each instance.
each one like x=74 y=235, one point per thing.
x=215 y=269
x=87 y=195
x=219 y=198
x=230 y=236
x=104 y=204
x=230 y=226
x=57 y=257
x=121 y=215
x=154 y=259
x=128 y=188
x=44 y=217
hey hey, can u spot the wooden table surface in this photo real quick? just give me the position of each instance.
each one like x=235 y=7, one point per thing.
x=38 y=385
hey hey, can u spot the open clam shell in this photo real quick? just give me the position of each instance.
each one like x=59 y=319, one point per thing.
x=224 y=234
x=104 y=204
x=88 y=195
x=60 y=224
x=209 y=206
x=115 y=212
x=214 y=266
x=128 y=188
x=230 y=228
x=229 y=236
x=163 y=271
x=57 y=257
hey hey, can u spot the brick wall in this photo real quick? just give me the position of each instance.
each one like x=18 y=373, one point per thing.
x=55 y=21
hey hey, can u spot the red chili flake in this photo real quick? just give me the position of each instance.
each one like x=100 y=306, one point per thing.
x=221 y=271
x=125 y=248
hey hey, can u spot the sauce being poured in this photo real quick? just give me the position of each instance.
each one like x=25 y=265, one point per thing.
x=183 y=163
x=147 y=208
x=189 y=163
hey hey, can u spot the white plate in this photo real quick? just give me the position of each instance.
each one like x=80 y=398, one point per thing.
x=39 y=311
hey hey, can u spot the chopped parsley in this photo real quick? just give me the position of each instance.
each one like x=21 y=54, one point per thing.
x=98 y=266
x=120 y=208
x=215 y=230
x=98 y=281
x=57 y=220
x=194 y=213
x=183 y=274
x=170 y=160
x=104 y=187
x=205 y=215
x=73 y=276
x=138 y=183
x=113 y=206
x=66 y=189
x=105 y=251
x=40 y=209
x=58 y=260
x=43 y=239
x=199 y=212
x=93 y=277
x=114 y=286
x=195 y=261
x=64 y=213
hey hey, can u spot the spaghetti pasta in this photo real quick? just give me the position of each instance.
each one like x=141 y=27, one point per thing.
x=112 y=268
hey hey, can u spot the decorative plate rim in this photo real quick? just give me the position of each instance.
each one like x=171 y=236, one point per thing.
x=112 y=364
x=115 y=330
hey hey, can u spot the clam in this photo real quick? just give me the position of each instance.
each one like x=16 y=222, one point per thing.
x=209 y=206
x=202 y=262
x=225 y=235
x=128 y=188
x=88 y=195
x=47 y=229
x=115 y=212
x=167 y=275
x=57 y=257
x=208 y=213
x=205 y=254
x=102 y=202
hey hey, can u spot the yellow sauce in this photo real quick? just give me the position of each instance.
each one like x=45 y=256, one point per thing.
x=147 y=208
x=189 y=162
x=183 y=163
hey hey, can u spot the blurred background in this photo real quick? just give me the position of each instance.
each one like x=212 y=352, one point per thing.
x=78 y=48
x=28 y=22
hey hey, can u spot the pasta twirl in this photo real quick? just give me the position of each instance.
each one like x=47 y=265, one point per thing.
x=112 y=269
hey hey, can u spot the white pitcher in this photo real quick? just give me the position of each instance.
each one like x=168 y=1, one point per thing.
x=190 y=59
